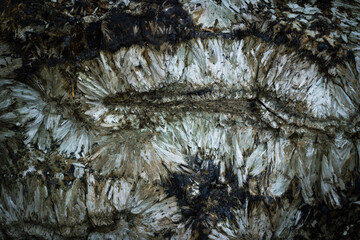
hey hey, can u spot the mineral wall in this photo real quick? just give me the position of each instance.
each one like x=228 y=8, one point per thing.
x=226 y=119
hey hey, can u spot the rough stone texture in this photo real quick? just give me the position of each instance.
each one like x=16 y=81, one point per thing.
x=179 y=119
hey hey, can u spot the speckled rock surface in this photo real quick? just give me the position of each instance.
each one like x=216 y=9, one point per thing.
x=179 y=119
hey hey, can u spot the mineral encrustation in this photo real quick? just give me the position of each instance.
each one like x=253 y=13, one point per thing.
x=152 y=119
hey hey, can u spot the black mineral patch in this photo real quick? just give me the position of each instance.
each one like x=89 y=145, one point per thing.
x=55 y=33
x=322 y=46
x=157 y=24
x=210 y=200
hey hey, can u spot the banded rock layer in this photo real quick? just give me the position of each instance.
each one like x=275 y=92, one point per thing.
x=179 y=120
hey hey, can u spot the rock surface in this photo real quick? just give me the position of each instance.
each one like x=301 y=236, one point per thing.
x=179 y=119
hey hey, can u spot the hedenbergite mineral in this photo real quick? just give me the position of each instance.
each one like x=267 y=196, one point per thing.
x=179 y=119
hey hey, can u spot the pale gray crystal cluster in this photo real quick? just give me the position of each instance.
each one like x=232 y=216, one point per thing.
x=216 y=119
